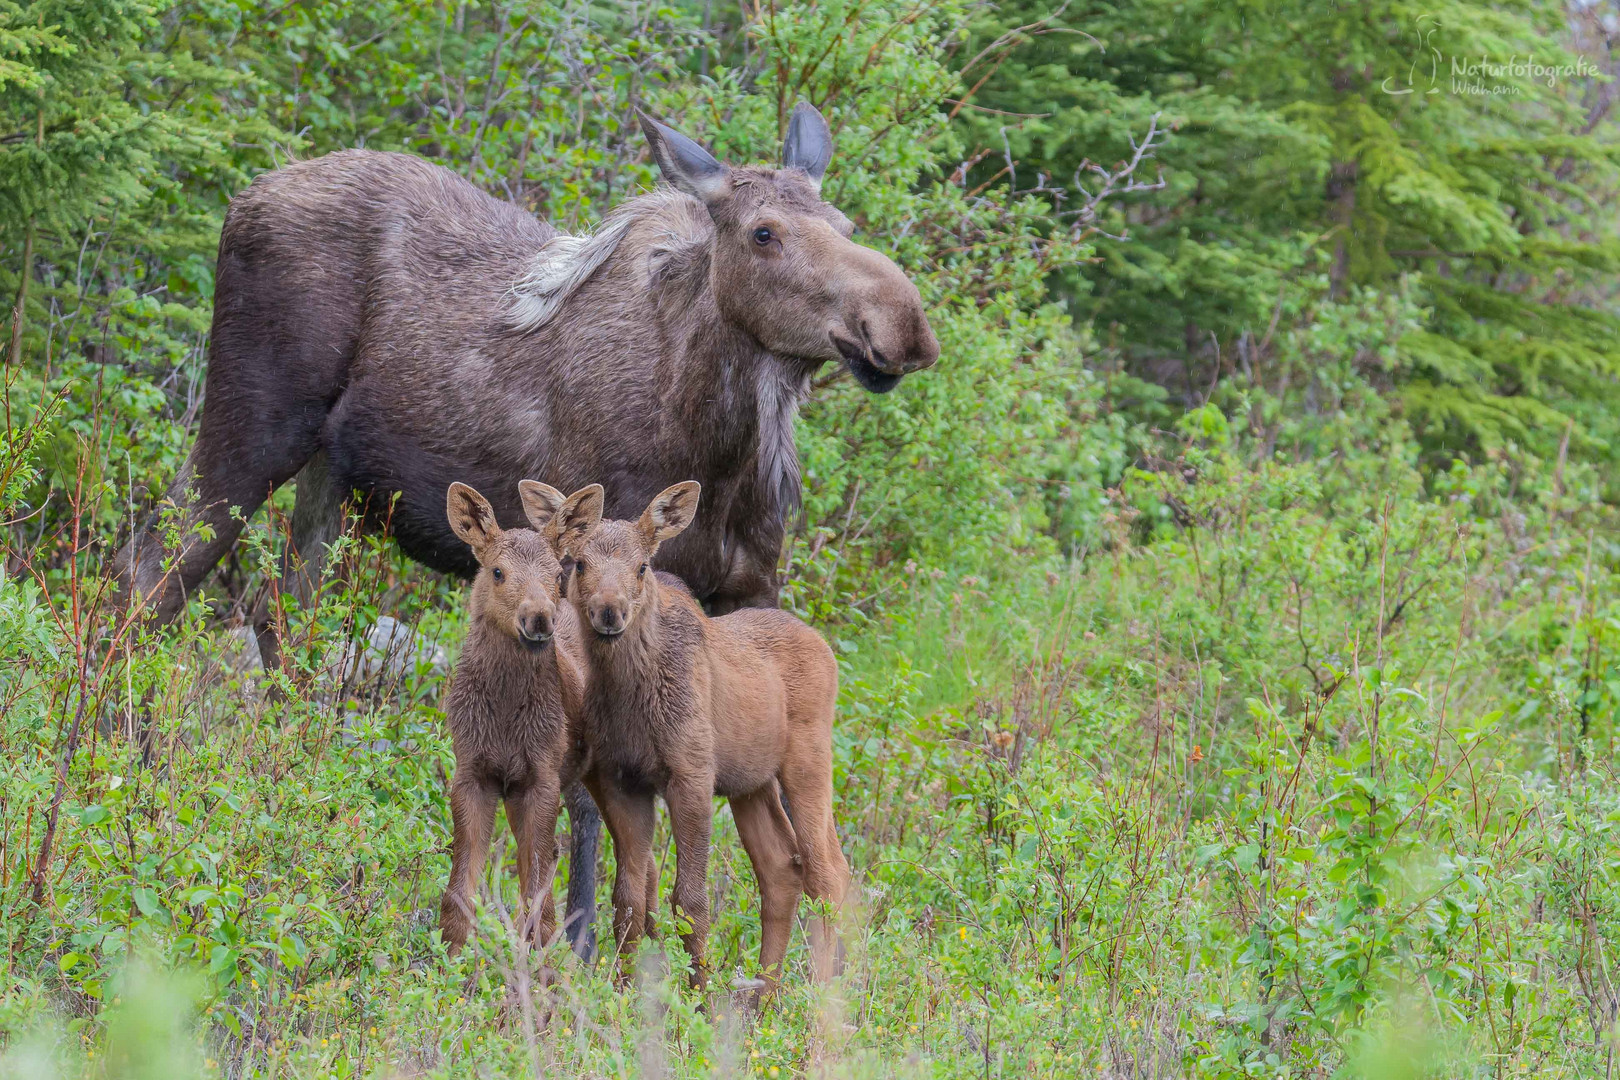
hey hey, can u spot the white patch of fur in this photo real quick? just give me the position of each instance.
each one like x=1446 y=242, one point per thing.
x=567 y=262
x=779 y=399
x=562 y=266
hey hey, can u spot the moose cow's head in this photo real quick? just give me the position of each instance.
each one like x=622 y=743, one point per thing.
x=784 y=267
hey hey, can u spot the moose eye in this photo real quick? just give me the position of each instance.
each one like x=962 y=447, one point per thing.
x=497 y=575
x=763 y=236
x=643 y=571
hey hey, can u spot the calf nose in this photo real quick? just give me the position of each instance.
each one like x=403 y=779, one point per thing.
x=607 y=618
x=536 y=626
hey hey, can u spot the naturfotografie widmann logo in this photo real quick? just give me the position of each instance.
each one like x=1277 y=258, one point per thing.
x=1433 y=71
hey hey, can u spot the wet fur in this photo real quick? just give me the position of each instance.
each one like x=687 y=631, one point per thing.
x=514 y=713
x=688 y=707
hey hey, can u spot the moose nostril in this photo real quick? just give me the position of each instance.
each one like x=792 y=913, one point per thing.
x=536 y=627
x=925 y=349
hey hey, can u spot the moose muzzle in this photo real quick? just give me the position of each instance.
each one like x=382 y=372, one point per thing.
x=536 y=625
x=884 y=332
x=609 y=614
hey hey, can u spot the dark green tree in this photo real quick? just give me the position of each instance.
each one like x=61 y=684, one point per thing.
x=101 y=113
x=1458 y=157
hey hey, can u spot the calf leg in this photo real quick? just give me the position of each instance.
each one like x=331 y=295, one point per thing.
x=630 y=819
x=691 y=813
x=533 y=818
x=772 y=849
x=807 y=780
x=827 y=944
x=472 y=815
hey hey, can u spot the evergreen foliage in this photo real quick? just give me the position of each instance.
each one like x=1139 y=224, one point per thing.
x=1462 y=156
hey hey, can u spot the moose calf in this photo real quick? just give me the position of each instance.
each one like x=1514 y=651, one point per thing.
x=512 y=708
x=690 y=707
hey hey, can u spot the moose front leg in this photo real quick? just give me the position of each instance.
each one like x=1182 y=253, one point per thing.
x=630 y=819
x=472 y=814
x=532 y=814
x=691 y=813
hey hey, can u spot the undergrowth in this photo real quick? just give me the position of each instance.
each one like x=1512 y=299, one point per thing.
x=1296 y=771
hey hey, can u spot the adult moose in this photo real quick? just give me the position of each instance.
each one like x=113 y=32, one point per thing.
x=382 y=327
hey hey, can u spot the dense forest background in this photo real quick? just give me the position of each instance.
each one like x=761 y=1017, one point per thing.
x=1226 y=622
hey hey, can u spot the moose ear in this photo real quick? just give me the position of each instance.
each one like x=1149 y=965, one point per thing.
x=684 y=163
x=540 y=502
x=471 y=517
x=670 y=512
x=574 y=521
x=808 y=145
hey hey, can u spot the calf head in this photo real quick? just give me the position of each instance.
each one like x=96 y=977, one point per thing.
x=783 y=266
x=516 y=590
x=612 y=581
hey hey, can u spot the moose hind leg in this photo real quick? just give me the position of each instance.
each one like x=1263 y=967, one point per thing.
x=317 y=522
x=809 y=791
x=768 y=838
x=808 y=785
x=584 y=830
x=171 y=552
x=254 y=435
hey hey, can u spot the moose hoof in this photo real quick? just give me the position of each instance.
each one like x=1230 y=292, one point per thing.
x=749 y=995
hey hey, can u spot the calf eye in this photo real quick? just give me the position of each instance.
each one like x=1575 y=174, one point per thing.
x=643 y=569
x=762 y=236
x=499 y=577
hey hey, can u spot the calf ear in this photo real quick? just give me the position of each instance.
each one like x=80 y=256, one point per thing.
x=471 y=517
x=670 y=512
x=574 y=521
x=540 y=502
x=808 y=145
x=684 y=163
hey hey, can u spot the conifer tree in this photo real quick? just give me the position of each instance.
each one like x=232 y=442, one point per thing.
x=102 y=107
x=1330 y=154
